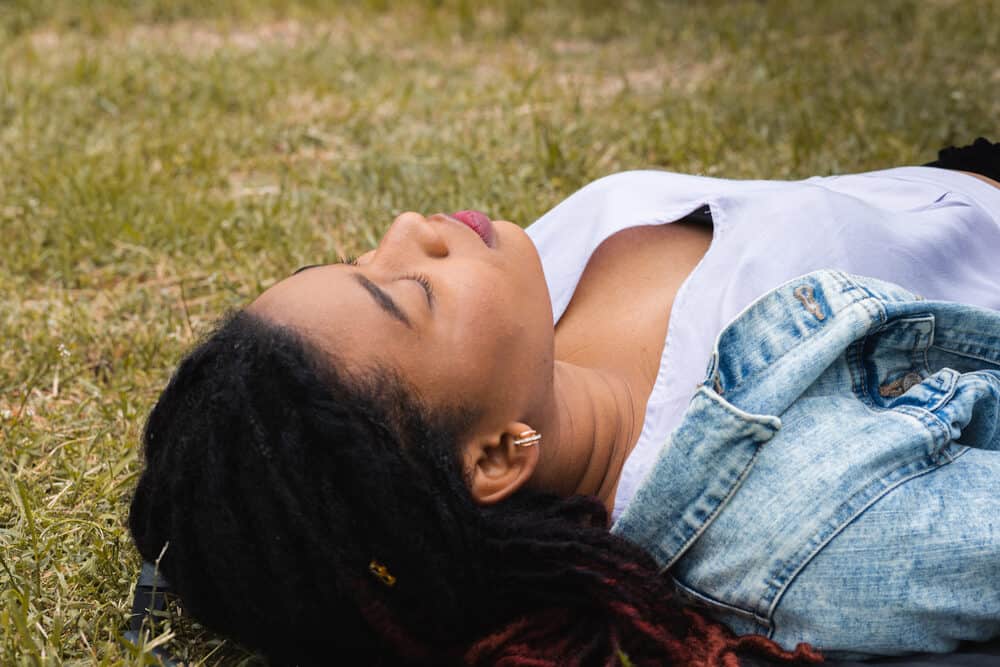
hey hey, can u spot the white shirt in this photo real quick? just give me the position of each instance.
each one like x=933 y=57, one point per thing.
x=933 y=231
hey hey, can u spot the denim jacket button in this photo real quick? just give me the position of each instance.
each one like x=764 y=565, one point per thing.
x=804 y=293
x=891 y=389
x=911 y=379
x=901 y=386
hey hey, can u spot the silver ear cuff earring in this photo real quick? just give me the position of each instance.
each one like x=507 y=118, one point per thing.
x=527 y=438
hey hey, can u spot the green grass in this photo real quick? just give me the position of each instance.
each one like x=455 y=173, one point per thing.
x=163 y=161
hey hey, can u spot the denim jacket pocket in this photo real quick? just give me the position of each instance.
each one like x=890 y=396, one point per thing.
x=890 y=364
x=904 y=371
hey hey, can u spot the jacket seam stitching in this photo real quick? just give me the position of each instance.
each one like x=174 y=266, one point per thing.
x=711 y=517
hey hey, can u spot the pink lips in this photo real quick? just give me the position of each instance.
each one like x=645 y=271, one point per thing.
x=478 y=222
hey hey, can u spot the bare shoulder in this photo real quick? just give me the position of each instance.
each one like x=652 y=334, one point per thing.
x=985 y=179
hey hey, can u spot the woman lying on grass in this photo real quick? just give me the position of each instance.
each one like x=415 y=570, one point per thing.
x=399 y=458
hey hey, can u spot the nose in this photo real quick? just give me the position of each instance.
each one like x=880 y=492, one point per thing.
x=411 y=233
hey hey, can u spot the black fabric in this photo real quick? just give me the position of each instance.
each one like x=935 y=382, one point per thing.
x=970 y=655
x=981 y=156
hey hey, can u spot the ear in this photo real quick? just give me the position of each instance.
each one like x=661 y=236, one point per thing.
x=496 y=467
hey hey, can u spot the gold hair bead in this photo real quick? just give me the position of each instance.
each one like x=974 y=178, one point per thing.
x=527 y=438
x=381 y=572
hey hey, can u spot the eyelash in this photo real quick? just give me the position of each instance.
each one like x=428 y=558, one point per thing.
x=419 y=277
x=424 y=282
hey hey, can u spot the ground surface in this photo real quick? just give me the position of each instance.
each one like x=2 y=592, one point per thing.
x=161 y=161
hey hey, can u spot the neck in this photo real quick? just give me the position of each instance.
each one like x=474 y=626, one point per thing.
x=594 y=424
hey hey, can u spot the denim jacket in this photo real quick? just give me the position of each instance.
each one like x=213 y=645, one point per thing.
x=836 y=478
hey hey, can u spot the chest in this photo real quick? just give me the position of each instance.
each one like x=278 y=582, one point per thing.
x=619 y=314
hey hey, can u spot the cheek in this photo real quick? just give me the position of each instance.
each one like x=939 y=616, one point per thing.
x=499 y=346
x=480 y=356
x=521 y=348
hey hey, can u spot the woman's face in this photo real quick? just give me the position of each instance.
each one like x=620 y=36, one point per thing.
x=478 y=335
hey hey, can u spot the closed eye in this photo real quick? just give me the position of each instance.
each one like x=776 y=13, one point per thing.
x=426 y=284
x=351 y=259
x=383 y=299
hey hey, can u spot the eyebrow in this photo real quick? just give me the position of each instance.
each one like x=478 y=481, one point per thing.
x=384 y=301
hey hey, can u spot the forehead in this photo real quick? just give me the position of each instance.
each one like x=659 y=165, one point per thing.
x=329 y=308
x=296 y=299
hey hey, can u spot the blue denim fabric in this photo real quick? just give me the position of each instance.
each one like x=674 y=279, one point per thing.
x=836 y=479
